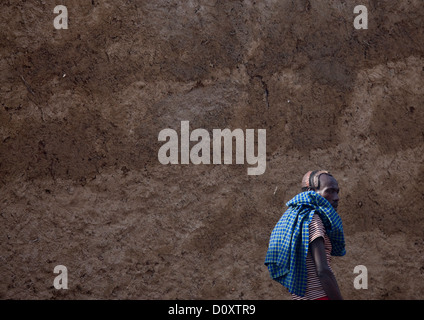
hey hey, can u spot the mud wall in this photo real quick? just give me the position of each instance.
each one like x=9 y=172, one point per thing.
x=81 y=110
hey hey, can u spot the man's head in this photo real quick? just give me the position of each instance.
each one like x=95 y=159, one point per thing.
x=323 y=183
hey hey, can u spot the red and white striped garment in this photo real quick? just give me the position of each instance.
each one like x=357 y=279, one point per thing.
x=314 y=289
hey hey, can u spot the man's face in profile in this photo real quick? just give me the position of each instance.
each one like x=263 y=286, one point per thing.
x=329 y=189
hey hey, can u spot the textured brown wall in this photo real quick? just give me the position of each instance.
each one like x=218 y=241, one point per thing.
x=80 y=114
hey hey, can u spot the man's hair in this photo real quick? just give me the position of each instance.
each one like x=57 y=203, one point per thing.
x=310 y=180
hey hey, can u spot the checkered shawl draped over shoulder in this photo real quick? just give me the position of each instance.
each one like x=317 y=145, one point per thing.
x=289 y=241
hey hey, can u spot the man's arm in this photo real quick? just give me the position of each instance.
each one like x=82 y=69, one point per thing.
x=326 y=276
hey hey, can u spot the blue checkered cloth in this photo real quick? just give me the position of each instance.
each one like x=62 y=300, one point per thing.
x=289 y=241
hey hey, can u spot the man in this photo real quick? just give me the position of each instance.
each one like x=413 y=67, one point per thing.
x=305 y=237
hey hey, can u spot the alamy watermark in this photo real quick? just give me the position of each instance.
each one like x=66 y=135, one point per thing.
x=176 y=149
x=61 y=21
x=361 y=280
x=361 y=20
x=200 y=153
x=60 y=281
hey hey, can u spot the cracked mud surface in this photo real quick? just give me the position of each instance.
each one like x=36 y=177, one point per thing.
x=80 y=114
